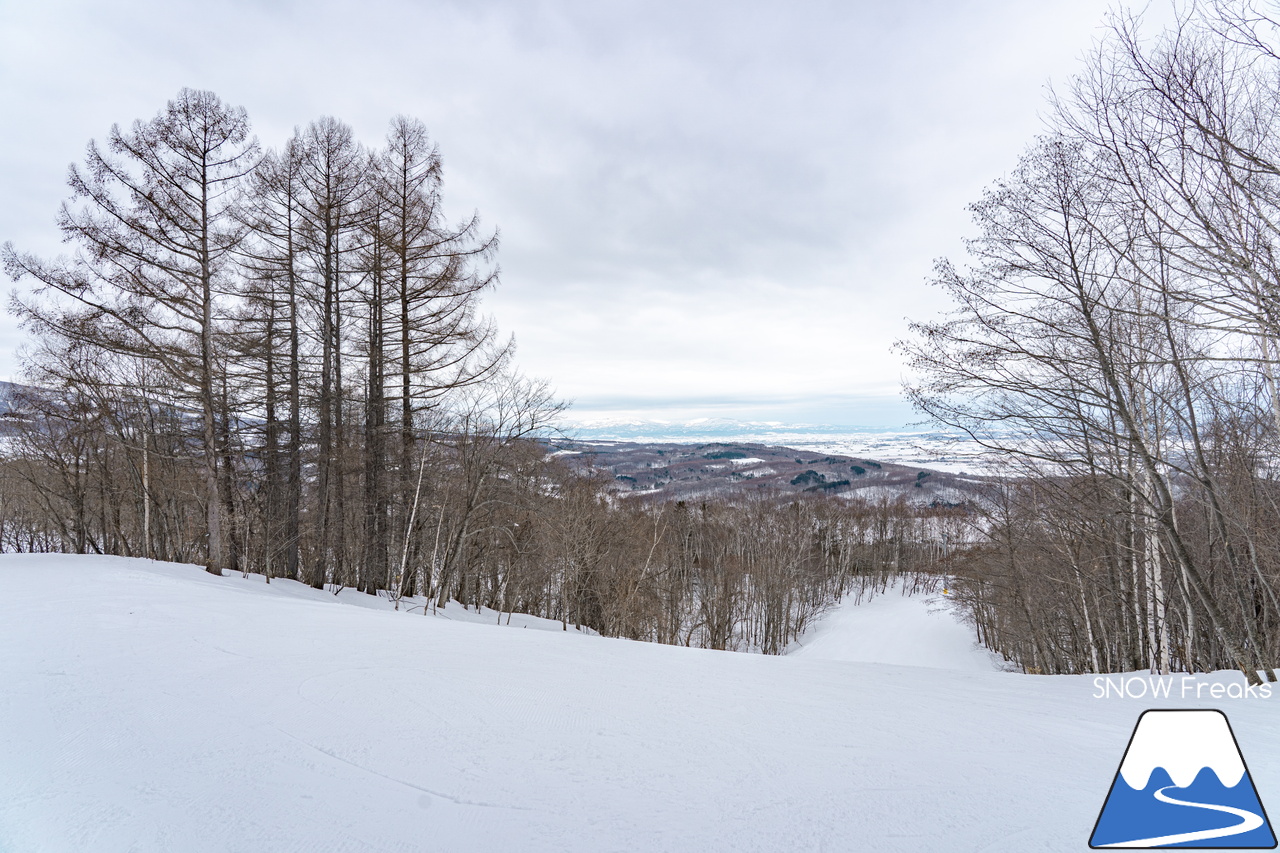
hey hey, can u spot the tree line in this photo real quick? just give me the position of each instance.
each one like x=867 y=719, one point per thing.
x=254 y=303
x=274 y=361
x=1116 y=340
x=494 y=521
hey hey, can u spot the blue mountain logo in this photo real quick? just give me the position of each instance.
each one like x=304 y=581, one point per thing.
x=1183 y=783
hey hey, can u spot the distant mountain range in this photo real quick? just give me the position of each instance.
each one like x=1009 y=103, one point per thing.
x=7 y=390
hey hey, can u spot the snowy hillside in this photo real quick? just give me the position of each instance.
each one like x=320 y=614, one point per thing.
x=152 y=707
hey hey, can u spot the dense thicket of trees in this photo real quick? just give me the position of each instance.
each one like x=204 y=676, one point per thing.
x=274 y=362
x=292 y=319
x=1116 y=337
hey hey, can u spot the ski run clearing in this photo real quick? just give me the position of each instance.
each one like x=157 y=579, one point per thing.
x=153 y=707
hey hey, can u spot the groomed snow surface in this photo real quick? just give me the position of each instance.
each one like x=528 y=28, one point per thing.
x=152 y=707
x=915 y=630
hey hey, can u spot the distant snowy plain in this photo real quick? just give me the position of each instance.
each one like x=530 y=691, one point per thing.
x=153 y=707
x=936 y=449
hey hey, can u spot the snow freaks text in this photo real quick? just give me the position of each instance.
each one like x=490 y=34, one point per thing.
x=1174 y=687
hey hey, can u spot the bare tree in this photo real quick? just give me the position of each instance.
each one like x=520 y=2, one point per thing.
x=154 y=218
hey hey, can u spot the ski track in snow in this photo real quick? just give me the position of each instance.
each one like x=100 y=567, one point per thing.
x=152 y=707
x=890 y=627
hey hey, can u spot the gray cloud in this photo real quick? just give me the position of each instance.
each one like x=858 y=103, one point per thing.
x=698 y=201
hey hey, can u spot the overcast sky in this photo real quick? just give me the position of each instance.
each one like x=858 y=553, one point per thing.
x=706 y=209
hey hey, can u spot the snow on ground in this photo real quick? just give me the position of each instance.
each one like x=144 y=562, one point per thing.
x=152 y=707
x=909 y=630
x=416 y=605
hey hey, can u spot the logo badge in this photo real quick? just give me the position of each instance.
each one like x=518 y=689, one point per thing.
x=1183 y=783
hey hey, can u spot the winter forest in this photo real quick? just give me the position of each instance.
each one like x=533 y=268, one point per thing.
x=275 y=360
x=1115 y=339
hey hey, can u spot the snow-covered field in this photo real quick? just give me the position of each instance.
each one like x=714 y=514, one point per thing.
x=152 y=707
x=935 y=449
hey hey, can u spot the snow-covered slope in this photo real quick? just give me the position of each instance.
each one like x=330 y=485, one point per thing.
x=911 y=630
x=151 y=707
